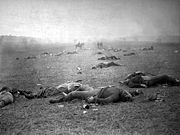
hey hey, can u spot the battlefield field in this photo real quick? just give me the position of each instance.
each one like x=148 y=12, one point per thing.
x=29 y=67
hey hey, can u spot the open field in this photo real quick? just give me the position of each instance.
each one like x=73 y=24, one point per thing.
x=39 y=117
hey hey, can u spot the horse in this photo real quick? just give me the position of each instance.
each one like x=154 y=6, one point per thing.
x=79 y=45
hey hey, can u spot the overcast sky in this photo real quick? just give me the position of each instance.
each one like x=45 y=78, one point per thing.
x=66 y=20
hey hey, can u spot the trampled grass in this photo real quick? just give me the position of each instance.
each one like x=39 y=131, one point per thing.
x=37 y=116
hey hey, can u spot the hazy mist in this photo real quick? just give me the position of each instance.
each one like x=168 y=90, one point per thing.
x=70 y=20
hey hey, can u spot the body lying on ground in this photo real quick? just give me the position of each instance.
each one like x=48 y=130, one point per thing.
x=129 y=54
x=148 y=48
x=109 y=94
x=105 y=65
x=140 y=79
x=54 y=91
x=7 y=96
x=109 y=58
x=73 y=52
x=30 y=57
x=114 y=49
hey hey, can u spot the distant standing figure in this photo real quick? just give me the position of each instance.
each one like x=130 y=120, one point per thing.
x=100 y=45
x=79 y=45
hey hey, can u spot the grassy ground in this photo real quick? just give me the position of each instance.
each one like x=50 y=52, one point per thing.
x=39 y=117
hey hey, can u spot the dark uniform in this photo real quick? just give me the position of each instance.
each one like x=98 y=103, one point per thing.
x=54 y=91
x=104 y=95
x=140 y=79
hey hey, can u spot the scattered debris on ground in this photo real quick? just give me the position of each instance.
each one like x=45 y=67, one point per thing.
x=73 y=52
x=148 y=48
x=129 y=54
x=105 y=65
x=30 y=57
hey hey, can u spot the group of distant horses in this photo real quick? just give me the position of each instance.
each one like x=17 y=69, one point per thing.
x=81 y=45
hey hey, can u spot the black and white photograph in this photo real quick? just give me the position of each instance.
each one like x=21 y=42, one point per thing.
x=89 y=67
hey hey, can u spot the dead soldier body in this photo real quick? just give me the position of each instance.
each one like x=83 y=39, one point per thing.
x=54 y=91
x=8 y=96
x=109 y=94
x=105 y=65
x=140 y=79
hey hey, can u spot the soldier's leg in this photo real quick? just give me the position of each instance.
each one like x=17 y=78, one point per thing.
x=31 y=95
x=163 y=79
x=111 y=99
x=57 y=99
x=83 y=95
